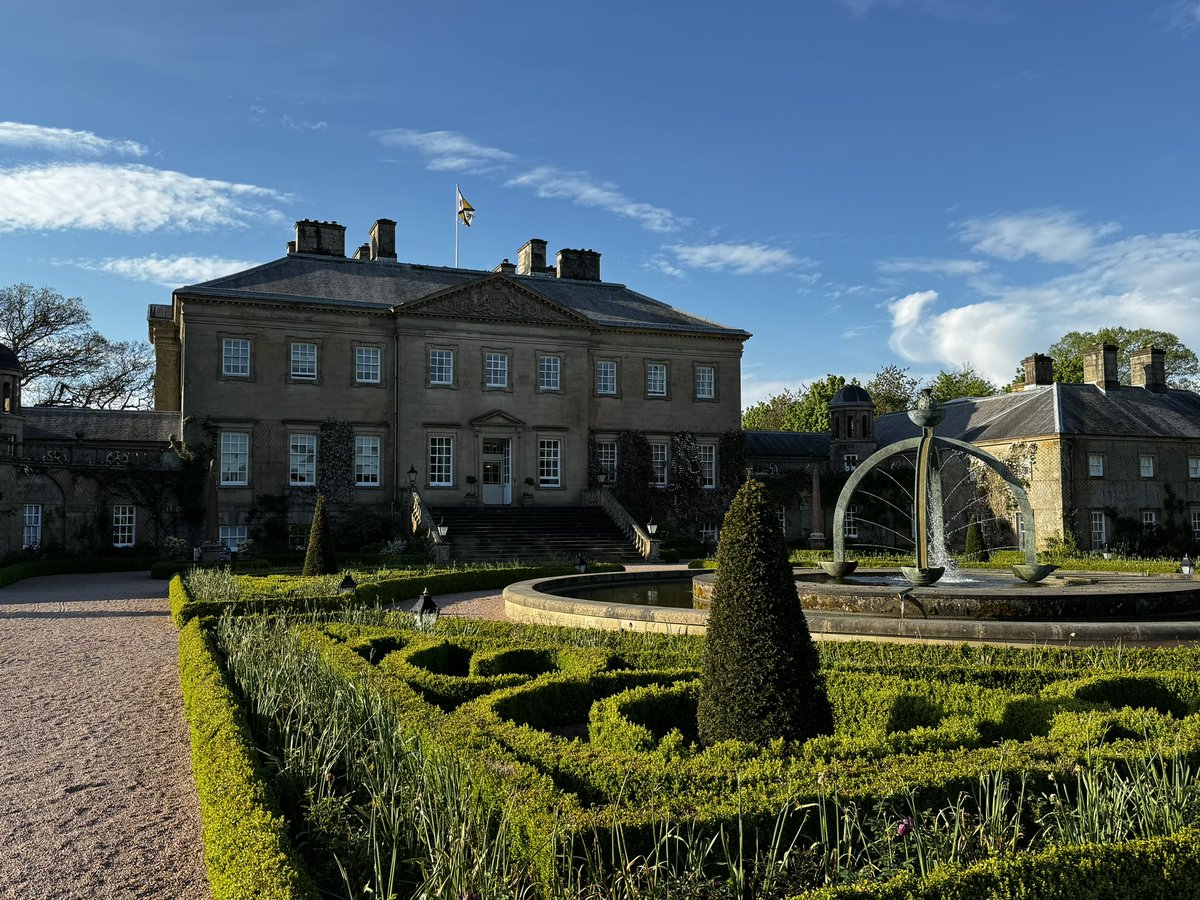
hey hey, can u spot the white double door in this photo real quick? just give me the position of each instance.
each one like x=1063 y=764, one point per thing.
x=496 y=471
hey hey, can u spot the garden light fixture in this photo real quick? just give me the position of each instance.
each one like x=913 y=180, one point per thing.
x=442 y=528
x=425 y=610
x=652 y=527
x=1187 y=567
x=412 y=477
x=348 y=586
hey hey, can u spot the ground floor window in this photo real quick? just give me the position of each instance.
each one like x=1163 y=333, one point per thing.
x=1196 y=524
x=709 y=535
x=708 y=464
x=441 y=461
x=1099 y=530
x=1149 y=520
x=549 y=463
x=366 y=460
x=124 y=517
x=232 y=536
x=302 y=460
x=606 y=458
x=235 y=457
x=31 y=533
x=850 y=523
x=658 y=456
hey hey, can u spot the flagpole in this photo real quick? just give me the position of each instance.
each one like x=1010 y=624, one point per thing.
x=456 y=226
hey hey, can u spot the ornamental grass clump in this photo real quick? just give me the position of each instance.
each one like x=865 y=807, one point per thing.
x=319 y=558
x=762 y=676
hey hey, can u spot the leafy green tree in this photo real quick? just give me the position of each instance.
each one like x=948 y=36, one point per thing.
x=319 y=558
x=893 y=390
x=789 y=411
x=1181 y=363
x=965 y=381
x=761 y=671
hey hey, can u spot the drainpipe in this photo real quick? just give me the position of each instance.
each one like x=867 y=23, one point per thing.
x=395 y=417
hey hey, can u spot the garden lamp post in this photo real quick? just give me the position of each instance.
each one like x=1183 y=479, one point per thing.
x=652 y=527
x=442 y=528
x=1187 y=567
x=581 y=564
x=425 y=611
x=348 y=586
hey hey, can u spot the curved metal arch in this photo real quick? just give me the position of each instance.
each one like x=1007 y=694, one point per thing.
x=839 y=512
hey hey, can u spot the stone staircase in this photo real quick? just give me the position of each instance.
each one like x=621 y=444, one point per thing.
x=503 y=533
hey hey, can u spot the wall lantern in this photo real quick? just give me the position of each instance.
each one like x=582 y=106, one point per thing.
x=652 y=527
x=412 y=477
x=442 y=528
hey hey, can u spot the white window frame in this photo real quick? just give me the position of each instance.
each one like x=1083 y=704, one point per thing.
x=441 y=460
x=1146 y=465
x=302 y=460
x=710 y=534
x=367 y=460
x=659 y=458
x=1194 y=467
x=1149 y=520
x=708 y=465
x=235 y=357
x=368 y=365
x=606 y=458
x=1196 y=524
x=850 y=522
x=1099 y=529
x=783 y=518
x=1095 y=465
x=440 y=366
x=549 y=462
x=549 y=372
x=849 y=462
x=706 y=382
x=304 y=360
x=232 y=536
x=495 y=370
x=235 y=458
x=31 y=526
x=124 y=525
x=656 y=379
x=607 y=377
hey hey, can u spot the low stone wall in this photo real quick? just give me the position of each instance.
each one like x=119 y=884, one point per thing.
x=528 y=602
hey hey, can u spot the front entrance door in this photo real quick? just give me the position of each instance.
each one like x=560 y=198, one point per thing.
x=497 y=471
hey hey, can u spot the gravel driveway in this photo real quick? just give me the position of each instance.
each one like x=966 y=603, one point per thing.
x=97 y=797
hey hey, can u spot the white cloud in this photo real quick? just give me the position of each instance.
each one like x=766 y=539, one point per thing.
x=931 y=266
x=1052 y=235
x=1183 y=15
x=64 y=141
x=168 y=271
x=445 y=151
x=126 y=198
x=302 y=125
x=741 y=259
x=756 y=390
x=580 y=188
x=977 y=10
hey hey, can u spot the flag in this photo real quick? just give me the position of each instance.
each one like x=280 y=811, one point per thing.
x=466 y=212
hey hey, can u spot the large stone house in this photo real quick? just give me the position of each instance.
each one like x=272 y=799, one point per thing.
x=356 y=373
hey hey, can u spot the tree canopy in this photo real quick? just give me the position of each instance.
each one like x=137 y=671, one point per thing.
x=66 y=362
x=964 y=381
x=790 y=411
x=893 y=390
x=1182 y=365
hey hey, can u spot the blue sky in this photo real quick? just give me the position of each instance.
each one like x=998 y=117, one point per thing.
x=856 y=182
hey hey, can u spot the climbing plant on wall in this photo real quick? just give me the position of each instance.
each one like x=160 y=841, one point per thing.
x=335 y=461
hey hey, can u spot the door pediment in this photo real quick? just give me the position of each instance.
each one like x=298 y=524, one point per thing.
x=497 y=418
x=495 y=298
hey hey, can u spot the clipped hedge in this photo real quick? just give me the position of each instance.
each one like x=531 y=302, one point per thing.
x=166 y=569
x=84 y=565
x=246 y=847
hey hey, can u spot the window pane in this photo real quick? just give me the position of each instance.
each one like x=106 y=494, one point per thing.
x=302 y=465
x=441 y=461
x=1096 y=465
x=850 y=522
x=235 y=357
x=708 y=464
x=549 y=474
x=606 y=376
x=304 y=360
x=658 y=456
x=366 y=460
x=232 y=536
x=656 y=380
x=123 y=526
x=706 y=382
x=549 y=368
x=1099 y=531
x=441 y=367
x=366 y=365
x=31 y=533
x=1146 y=465
x=606 y=458
x=235 y=457
x=1194 y=467
x=495 y=370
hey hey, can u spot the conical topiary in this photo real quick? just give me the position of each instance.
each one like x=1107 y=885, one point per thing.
x=762 y=675
x=973 y=549
x=319 y=558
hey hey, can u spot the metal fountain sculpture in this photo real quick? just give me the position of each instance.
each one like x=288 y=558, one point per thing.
x=927 y=499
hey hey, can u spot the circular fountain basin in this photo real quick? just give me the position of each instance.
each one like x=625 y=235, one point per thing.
x=1067 y=608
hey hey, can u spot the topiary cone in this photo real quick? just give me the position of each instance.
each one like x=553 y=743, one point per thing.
x=319 y=558
x=761 y=670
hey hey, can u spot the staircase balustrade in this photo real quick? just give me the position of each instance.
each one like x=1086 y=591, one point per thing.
x=422 y=520
x=646 y=545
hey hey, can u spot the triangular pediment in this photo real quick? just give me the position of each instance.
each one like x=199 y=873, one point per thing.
x=495 y=298
x=496 y=417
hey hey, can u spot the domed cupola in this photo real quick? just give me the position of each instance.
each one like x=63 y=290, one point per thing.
x=852 y=427
x=12 y=423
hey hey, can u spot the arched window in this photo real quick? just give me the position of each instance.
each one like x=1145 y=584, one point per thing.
x=8 y=397
x=866 y=427
x=837 y=427
x=850 y=426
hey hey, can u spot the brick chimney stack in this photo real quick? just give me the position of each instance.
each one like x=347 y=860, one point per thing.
x=531 y=259
x=1039 y=370
x=506 y=268
x=320 y=238
x=1148 y=369
x=383 y=239
x=1100 y=367
x=582 y=265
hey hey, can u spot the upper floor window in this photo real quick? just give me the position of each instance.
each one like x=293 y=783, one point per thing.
x=441 y=367
x=235 y=457
x=441 y=461
x=304 y=360
x=1095 y=465
x=606 y=458
x=1146 y=465
x=706 y=383
x=1194 y=467
x=495 y=370
x=367 y=365
x=124 y=517
x=302 y=460
x=549 y=373
x=708 y=464
x=606 y=376
x=366 y=460
x=235 y=357
x=31 y=526
x=656 y=380
x=658 y=457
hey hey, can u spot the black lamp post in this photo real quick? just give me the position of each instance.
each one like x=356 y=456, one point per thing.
x=442 y=528
x=581 y=564
x=1187 y=567
x=652 y=527
x=348 y=586
x=425 y=611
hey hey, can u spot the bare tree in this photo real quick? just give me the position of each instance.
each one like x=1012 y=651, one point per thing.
x=66 y=362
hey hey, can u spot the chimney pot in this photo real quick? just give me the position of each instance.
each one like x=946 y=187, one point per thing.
x=531 y=258
x=383 y=239
x=583 y=265
x=506 y=268
x=1148 y=369
x=1100 y=367
x=320 y=238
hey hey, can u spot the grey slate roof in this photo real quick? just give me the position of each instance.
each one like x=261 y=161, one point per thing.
x=1065 y=409
x=368 y=284
x=109 y=426
x=787 y=444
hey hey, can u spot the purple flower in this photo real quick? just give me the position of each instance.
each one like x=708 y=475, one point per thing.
x=905 y=827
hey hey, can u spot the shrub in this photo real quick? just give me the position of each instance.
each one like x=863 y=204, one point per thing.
x=37 y=568
x=762 y=678
x=319 y=559
x=973 y=549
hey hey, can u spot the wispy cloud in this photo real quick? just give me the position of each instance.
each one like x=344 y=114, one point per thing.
x=127 y=198
x=1052 y=235
x=1183 y=15
x=301 y=124
x=581 y=188
x=971 y=10
x=167 y=271
x=64 y=141
x=930 y=266
x=740 y=259
x=445 y=151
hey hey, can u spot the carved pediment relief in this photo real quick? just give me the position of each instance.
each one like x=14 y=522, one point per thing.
x=494 y=299
x=497 y=417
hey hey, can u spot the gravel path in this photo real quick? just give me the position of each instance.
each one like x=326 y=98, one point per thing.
x=97 y=797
